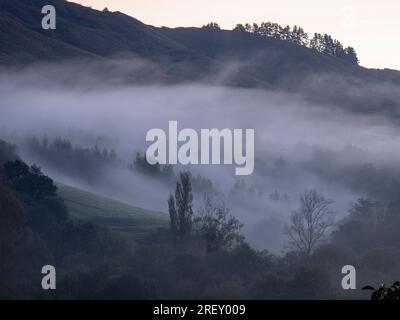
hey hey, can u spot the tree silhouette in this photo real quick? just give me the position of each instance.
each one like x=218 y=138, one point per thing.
x=239 y=27
x=212 y=26
x=181 y=208
x=308 y=225
x=218 y=228
x=324 y=44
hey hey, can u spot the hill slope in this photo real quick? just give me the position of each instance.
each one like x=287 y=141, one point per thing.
x=185 y=53
x=87 y=34
x=114 y=215
x=264 y=57
x=79 y=29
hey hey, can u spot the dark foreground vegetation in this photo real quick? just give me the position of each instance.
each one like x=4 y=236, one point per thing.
x=201 y=255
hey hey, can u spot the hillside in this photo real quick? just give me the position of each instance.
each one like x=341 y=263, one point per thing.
x=85 y=33
x=263 y=57
x=114 y=215
x=182 y=53
x=79 y=29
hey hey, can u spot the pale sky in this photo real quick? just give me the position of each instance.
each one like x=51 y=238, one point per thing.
x=372 y=27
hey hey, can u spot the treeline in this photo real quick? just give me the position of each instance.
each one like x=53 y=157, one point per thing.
x=166 y=174
x=322 y=43
x=241 y=190
x=85 y=162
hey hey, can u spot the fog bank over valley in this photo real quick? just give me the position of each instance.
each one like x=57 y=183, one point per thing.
x=298 y=144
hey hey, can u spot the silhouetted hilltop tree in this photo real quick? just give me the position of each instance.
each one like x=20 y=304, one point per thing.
x=212 y=26
x=240 y=28
x=297 y=36
x=324 y=44
x=351 y=55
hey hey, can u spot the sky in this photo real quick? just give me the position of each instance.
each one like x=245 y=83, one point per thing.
x=370 y=26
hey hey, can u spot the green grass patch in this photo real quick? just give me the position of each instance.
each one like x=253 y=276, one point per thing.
x=114 y=215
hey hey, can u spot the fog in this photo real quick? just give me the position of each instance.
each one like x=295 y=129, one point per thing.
x=90 y=107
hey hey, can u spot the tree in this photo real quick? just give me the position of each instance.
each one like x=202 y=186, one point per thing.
x=321 y=43
x=29 y=181
x=351 y=55
x=309 y=224
x=255 y=28
x=219 y=229
x=239 y=27
x=297 y=36
x=286 y=33
x=317 y=43
x=173 y=217
x=212 y=26
x=181 y=208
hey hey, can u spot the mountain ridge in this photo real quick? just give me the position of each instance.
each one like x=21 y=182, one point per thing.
x=185 y=53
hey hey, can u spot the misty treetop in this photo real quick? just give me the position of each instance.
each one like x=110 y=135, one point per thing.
x=322 y=43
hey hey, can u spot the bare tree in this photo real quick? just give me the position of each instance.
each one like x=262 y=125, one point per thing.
x=308 y=225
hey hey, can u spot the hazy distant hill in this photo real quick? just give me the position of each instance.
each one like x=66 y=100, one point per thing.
x=184 y=53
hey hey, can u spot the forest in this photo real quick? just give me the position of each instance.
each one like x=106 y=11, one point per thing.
x=201 y=254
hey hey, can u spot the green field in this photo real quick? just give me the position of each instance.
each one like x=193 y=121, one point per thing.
x=114 y=215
